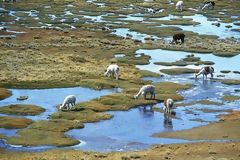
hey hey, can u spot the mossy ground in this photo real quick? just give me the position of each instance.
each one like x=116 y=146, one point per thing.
x=204 y=102
x=125 y=100
x=189 y=60
x=176 y=71
x=49 y=132
x=146 y=73
x=22 y=109
x=188 y=151
x=13 y=122
x=231 y=81
x=4 y=93
x=230 y=98
x=82 y=115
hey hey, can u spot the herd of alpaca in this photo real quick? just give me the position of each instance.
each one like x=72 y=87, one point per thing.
x=113 y=71
x=206 y=4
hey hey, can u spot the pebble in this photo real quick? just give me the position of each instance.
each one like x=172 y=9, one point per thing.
x=212 y=152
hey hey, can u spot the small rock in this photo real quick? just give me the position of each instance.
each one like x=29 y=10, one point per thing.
x=228 y=26
x=216 y=24
x=135 y=156
x=138 y=41
x=21 y=98
x=212 y=152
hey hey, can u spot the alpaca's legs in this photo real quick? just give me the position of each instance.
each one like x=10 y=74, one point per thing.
x=116 y=75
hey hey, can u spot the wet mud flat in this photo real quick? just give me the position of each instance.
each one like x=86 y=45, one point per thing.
x=67 y=44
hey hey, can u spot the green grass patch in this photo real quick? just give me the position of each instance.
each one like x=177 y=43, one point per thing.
x=4 y=93
x=81 y=115
x=46 y=133
x=176 y=71
x=14 y=123
x=22 y=109
x=204 y=102
x=231 y=81
x=146 y=73
x=230 y=98
x=125 y=100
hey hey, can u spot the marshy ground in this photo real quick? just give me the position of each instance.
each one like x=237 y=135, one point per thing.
x=62 y=44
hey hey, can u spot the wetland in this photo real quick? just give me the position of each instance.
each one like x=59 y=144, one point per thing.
x=51 y=49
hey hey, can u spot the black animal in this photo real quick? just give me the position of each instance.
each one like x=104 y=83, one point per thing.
x=178 y=36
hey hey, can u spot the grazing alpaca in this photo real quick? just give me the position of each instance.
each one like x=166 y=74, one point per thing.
x=145 y=90
x=205 y=71
x=168 y=106
x=71 y=99
x=208 y=4
x=112 y=70
x=179 y=5
x=178 y=36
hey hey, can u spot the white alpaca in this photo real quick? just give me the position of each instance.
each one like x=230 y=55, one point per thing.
x=205 y=71
x=168 y=105
x=69 y=100
x=112 y=70
x=208 y=4
x=179 y=5
x=145 y=90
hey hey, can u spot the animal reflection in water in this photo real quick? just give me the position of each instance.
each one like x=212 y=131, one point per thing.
x=205 y=84
x=146 y=111
x=167 y=122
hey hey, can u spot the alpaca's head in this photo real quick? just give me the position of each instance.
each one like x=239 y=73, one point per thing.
x=60 y=107
x=135 y=96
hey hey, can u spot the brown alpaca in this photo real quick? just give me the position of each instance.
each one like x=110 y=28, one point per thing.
x=178 y=36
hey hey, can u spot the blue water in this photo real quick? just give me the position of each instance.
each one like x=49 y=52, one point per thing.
x=206 y=27
x=221 y=63
x=50 y=98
